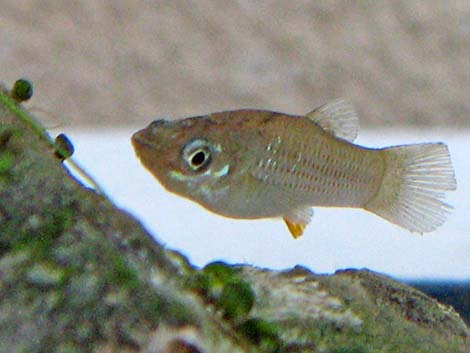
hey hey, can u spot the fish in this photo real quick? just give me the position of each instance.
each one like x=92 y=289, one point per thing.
x=253 y=164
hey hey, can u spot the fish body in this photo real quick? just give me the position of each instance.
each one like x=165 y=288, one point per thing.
x=253 y=164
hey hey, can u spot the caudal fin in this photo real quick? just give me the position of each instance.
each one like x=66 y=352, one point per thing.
x=413 y=187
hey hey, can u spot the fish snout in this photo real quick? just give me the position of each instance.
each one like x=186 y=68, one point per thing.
x=149 y=135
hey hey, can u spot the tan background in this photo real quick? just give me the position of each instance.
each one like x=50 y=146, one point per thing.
x=127 y=62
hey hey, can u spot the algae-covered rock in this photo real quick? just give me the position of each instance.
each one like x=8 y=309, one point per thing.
x=79 y=275
x=453 y=293
x=354 y=310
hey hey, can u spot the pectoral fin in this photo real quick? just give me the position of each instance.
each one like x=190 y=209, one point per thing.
x=298 y=220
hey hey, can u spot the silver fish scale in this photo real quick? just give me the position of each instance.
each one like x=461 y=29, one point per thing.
x=316 y=169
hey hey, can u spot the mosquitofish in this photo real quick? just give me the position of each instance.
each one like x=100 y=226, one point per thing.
x=252 y=164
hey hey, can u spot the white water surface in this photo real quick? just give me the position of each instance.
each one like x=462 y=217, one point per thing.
x=335 y=239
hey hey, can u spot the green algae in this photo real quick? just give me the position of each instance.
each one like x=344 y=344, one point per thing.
x=236 y=300
x=199 y=283
x=264 y=334
x=63 y=147
x=221 y=271
x=6 y=162
x=22 y=90
x=355 y=348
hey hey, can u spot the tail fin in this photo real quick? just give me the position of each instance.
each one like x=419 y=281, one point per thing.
x=413 y=186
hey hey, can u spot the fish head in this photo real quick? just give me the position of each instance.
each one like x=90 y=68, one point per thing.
x=190 y=157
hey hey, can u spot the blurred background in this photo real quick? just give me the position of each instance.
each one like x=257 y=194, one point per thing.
x=121 y=62
x=103 y=69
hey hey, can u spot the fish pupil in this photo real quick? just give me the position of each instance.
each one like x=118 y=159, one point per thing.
x=198 y=159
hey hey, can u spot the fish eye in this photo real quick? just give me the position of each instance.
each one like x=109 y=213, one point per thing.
x=197 y=154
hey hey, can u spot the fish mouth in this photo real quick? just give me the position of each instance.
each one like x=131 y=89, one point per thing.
x=140 y=139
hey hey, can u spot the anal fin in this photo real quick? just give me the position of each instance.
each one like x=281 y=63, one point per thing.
x=296 y=229
x=298 y=220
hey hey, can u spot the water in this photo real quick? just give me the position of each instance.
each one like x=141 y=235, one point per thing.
x=336 y=238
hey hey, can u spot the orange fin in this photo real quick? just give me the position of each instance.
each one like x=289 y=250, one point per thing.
x=296 y=229
x=297 y=220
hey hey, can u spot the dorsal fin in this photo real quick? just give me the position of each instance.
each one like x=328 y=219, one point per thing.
x=338 y=118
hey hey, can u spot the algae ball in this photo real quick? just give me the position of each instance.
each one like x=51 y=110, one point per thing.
x=220 y=271
x=63 y=147
x=22 y=90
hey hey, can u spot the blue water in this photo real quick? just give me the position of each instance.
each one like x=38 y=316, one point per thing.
x=336 y=238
